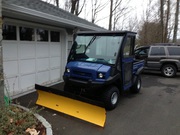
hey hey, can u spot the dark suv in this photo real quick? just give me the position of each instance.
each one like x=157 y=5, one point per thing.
x=163 y=57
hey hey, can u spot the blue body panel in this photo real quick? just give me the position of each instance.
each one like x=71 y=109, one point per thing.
x=88 y=71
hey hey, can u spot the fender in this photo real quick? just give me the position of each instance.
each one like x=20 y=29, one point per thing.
x=139 y=71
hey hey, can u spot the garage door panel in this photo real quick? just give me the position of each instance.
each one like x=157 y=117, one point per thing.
x=10 y=68
x=55 y=75
x=55 y=50
x=55 y=62
x=27 y=66
x=12 y=86
x=27 y=50
x=42 y=64
x=42 y=50
x=10 y=51
x=43 y=77
x=27 y=82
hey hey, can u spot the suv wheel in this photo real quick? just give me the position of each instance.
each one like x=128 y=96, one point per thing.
x=169 y=70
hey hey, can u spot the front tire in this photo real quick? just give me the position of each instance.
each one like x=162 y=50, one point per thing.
x=111 y=97
x=169 y=70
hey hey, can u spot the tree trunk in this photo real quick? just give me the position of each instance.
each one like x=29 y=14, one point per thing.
x=167 y=21
x=77 y=8
x=73 y=6
x=176 y=22
x=110 y=15
x=1 y=61
x=162 y=19
x=57 y=3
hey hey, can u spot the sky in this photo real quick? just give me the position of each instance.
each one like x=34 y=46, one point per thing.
x=135 y=7
x=135 y=16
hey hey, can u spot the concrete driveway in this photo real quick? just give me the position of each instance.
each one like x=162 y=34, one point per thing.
x=154 y=111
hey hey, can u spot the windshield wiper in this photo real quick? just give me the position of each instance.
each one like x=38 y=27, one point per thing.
x=90 y=42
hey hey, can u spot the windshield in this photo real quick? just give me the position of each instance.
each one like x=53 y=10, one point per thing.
x=99 y=49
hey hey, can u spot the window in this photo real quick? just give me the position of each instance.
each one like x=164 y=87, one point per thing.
x=143 y=52
x=100 y=49
x=9 y=32
x=26 y=34
x=157 y=51
x=174 y=50
x=55 y=36
x=128 y=47
x=42 y=35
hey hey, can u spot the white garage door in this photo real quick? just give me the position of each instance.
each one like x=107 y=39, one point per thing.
x=30 y=62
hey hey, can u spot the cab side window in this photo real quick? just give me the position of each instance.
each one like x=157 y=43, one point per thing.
x=127 y=51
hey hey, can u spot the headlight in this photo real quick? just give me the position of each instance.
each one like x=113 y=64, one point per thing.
x=67 y=70
x=100 y=75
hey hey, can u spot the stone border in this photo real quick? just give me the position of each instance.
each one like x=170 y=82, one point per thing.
x=41 y=119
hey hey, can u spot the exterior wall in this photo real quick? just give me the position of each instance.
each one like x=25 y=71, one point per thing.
x=30 y=62
x=1 y=63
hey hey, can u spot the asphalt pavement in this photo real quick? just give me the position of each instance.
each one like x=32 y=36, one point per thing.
x=154 y=111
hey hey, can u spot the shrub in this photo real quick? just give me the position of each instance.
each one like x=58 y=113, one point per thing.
x=15 y=121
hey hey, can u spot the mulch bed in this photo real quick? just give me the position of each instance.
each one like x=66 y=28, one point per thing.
x=15 y=120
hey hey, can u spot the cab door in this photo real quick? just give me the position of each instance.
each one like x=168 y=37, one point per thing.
x=127 y=61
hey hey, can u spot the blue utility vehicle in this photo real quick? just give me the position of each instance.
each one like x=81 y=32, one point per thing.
x=102 y=65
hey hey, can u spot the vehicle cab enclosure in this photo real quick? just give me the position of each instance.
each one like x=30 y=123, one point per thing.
x=102 y=63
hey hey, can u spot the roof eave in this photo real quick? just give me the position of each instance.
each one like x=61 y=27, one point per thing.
x=31 y=12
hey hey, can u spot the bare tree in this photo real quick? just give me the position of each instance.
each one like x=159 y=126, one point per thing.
x=67 y=5
x=150 y=33
x=165 y=14
x=110 y=15
x=165 y=37
x=176 y=22
x=75 y=6
x=97 y=6
x=56 y=2
x=162 y=19
x=116 y=12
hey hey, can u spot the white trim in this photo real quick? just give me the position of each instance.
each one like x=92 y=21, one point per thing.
x=18 y=23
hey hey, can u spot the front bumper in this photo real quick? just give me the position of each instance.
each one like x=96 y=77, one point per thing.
x=90 y=83
x=82 y=83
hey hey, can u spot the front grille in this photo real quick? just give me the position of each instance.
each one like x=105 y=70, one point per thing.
x=82 y=73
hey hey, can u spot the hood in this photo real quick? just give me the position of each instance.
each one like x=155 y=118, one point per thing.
x=88 y=66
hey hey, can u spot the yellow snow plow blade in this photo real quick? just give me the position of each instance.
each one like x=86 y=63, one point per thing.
x=85 y=111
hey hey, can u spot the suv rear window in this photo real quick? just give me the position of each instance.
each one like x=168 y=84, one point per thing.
x=157 y=51
x=174 y=50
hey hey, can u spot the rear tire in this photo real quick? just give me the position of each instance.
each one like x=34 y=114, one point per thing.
x=169 y=70
x=111 y=97
x=137 y=85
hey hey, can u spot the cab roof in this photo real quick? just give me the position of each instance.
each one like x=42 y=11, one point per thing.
x=105 y=32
